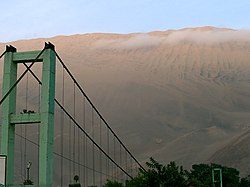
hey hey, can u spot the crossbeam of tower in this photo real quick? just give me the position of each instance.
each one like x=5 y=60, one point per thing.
x=45 y=118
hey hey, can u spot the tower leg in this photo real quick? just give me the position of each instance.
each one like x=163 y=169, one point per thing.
x=8 y=107
x=47 y=120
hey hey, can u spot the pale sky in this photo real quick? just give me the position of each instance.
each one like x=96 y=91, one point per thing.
x=26 y=19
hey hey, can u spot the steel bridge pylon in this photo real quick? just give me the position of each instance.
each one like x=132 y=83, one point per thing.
x=45 y=116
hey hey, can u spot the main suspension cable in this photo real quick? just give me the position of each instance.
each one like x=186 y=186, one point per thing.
x=61 y=156
x=93 y=106
x=80 y=128
x=28 y=68
x=3 y=54
x=20 y=78
x=77 y=84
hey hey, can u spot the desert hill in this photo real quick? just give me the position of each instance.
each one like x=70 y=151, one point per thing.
x=180 y=95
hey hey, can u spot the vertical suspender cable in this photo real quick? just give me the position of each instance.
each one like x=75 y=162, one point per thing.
x=94 y=143
x=79 y=152
x=93 y=146
x=108 y=150
x=98 y=113
x=90 y=138
x=107 y=171
x=62 y=127
x=114 y=160
x=100 y=126
x=25 y=127
x=70 y=152
x=38 y=135
x=20 y=78
x=131 y=162
x=85 y=145
x=21 y=151
x=126 y=162
x=39 y=97
x=74 y=128
x=25 y=147
x=120 y=156
x=112 y=166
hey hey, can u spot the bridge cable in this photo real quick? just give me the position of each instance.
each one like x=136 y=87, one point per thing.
x=70 y=151
x=70 y=125
x=3 y=54
x=57 y=154
x=80 y=128
x=114 y=159
x=126 y=162
x=62 y=127
x=108 y=149
x=25 y=126
x=132 y=157
x=108 y=128
x=131 y=162
x=84 y=144
x=79 y=152
x=113 y=168
x=80 y=88
x=100 y=153
x=74 y=129
x=39 y=103
x=93 y=146
x=21 y=151
x=23 y=74
x=29 y=69
x=120 y=153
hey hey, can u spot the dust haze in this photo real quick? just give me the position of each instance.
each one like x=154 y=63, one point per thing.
x=199 y=36
x=181 y=95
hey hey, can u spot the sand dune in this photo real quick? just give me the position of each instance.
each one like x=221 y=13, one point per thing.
x=175 y=95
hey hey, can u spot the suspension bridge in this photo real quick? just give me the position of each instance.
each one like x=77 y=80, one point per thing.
x=51 y=132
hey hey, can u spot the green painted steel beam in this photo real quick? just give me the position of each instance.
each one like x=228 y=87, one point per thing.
x=47 y=119
x=30 y=56
x=8 y=107
x=25 y=118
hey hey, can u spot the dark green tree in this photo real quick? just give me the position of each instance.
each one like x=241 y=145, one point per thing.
x=172 y=175
x=28 y=182
x=175 y=176
x=230 y=177
x=245 y=182
x=138 y=181
x=158 y=175
x=200 y=174
x=113 y=184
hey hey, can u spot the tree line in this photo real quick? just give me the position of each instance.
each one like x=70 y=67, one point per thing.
x=172 y=175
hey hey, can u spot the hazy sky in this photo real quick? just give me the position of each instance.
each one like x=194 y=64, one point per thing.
x=25 y=19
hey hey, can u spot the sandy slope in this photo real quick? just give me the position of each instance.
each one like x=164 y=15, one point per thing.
x=174 y=95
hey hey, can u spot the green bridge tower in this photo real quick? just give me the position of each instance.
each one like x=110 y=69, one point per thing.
x=45 y=116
